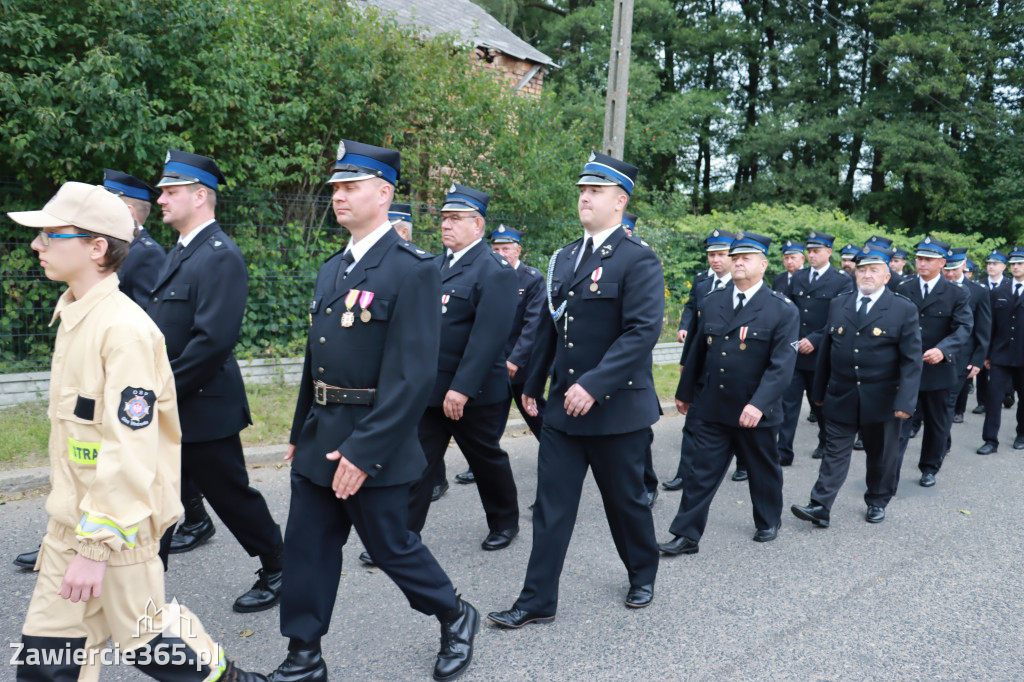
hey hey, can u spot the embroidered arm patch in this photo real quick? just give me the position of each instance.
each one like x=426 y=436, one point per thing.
x=136 y=407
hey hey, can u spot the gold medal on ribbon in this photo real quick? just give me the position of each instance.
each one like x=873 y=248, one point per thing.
x=596 y=275
x=743 y=337
x=348 y=317
x=365 y=298
x=876 y=331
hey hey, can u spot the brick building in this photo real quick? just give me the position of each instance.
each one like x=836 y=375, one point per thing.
x=495 y=46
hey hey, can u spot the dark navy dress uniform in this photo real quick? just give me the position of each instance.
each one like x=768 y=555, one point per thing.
x=867 y=370
x=946 y=323
x=479 y=294
x=1006 y=356
x=198 y=302
x=782 y=282
x=142 y=266
x=976 y=349
x=812 y=301
x=739 y=358
x=373 y=427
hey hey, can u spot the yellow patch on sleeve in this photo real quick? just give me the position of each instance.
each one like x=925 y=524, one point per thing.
x=83 y=454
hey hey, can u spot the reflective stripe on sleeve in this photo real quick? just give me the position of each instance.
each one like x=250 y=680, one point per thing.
x=88 y=526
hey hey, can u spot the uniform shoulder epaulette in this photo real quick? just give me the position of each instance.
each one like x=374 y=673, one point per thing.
x=216 y=242
x=637 y=240
x=905 y=298
x=415 y=250
x=844 y=293
x=905 y=280
x=714 y=293
x=501 y=259
x=776 y=294
x=533 y=271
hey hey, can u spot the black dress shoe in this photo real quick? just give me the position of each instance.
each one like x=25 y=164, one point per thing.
x=740 y=475
x=987 y=449
x=516 y=618
x=767 y=534
x=958 y=418
x=265 y=592
x=652 y=496
x=811 y=417
x=813 y=512
x=458 y=628
x=303 y=664
x=875 y=514
x=439 y=491
x=927 y=480
x=465 y=477
x=980 y=409
x=233 y=673
x=27 y=560
x=188 y=536
x=785 y=462
x=674 y=484
x=1008 y=401
x=679 y=544
x=818 y=453
x=499 y=539
x=858 y=444
x=1018 y=443
x=367 y=559
x=640 y=596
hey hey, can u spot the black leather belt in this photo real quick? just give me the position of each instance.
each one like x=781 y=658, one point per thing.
x=325 y=393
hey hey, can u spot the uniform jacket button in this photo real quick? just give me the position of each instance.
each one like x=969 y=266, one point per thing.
x=319 y=370
x=378 y=467
x=607 y=397
x=629 y=383
x=572 y=371
x=723 y=353
x=570 y=344
x=328 y=311
x=572 y=319
x=323 y=340
x=572 y=293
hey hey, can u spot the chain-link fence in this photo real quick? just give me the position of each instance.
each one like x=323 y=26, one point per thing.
x=284 y=238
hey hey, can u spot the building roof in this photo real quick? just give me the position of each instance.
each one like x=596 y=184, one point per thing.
x=465 y=19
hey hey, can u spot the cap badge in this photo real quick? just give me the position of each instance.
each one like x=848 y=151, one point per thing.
x=867 y=249
x=927 y=240
x=501 y=228
x=715 y=233
x=593 y=157
x=452 y=190
x=789 y=242
x=813 y=235
x=167 y=159
x=739 y=235
x=341 y=150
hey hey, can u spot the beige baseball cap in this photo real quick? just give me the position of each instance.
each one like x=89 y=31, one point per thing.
x=87 y=207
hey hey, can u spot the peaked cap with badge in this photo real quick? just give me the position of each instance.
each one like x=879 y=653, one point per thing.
x=122 y=184
x=185 y=168
x=604 y=170
x=504 y=234
x=399 y=212
x=359 y=161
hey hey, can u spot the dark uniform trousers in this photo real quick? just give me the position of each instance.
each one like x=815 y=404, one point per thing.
x=946 y=323
x=881 y=447
x=715 y=442
x=319 y=525
x=1002 y=379
x=813 y=301
x=474 y=434
x=750 y=352
x=616 y=461
x=534 y=423
x=198 y=302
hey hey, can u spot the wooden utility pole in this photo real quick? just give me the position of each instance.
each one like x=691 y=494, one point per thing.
x=618 y=79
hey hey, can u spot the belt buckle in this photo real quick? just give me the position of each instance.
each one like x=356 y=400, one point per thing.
x=320 y=392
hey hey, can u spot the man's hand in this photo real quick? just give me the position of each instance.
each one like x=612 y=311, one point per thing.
x=681 y=335
x=933 y=356
x=453 y=404
x=900 y=414
x=512 y=369
x=289 y=454
x=988 y=364
x=972 y=371
x=750 y=416
x=805 y=347
x=577 y=401
x=348 y=478
x=83 y=579
x=530 y=405
x=682 y=407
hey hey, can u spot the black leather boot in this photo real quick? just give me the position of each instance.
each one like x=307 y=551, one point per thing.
x=27 y=560
x=170 y=659
x=458 y=628
x=195 y=529
x=304 y=663
x=59 y=651
x=266 y=591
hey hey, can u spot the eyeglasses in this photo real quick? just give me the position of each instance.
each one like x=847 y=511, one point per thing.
x=45 y=237
x=458 y=218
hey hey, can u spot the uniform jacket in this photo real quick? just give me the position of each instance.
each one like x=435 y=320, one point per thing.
x=530 y=312
x=868 y=371
x=946 y=324
x=604 y=338
x=895 y=279
x=141 y=267
x=720 y=378
x=198 y=304
x=698 y=290
x=115 y=443
x=976 y=350
x=1007 y=347
x=812 y=302
x=482 y=290
x=395 y=353
x=781 y=282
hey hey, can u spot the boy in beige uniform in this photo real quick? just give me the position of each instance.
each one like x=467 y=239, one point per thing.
x=115 y=466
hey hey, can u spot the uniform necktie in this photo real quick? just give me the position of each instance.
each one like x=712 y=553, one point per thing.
x=177 y=252
x=588 y=251
x=1016 y=290
x=716 y=284
x=925 y=294
x=862 y=312
x=347 y=259
x=814 y=276
x=447 y=265
x=739 y=301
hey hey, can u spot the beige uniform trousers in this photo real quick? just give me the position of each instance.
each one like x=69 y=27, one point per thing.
x=130 y=610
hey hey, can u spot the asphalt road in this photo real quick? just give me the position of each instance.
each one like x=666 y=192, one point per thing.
x=934 y=592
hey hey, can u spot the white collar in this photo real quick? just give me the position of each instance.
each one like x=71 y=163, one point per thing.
x=874 y=297
x=747 y=295
x=359 y=249
x=724 y=279
x=600 y=237
x=185 y=241
x=930 y=283
x=456 y=255
x=823 y=270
